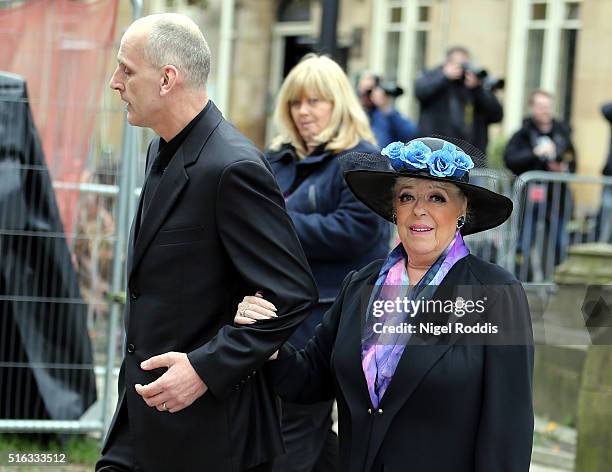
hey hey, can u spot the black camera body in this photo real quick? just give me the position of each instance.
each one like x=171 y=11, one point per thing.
x=489 y=82
x=390 y=88
x=479 y=72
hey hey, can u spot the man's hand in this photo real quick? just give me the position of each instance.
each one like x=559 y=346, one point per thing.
x=177 y=388
x=546 y=149
x=453 y=70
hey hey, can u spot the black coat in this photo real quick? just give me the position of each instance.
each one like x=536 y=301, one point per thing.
x=216 y=230
x=606 y=110
x=443 y=103
x=460 y=406
x=337 y=231
x=519 y=156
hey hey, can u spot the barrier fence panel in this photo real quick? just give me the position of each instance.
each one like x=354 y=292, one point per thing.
x=60 y=303
x=550 y=218
x=547 y=219
x=53 y=303
x=60 y=297
x=494 y=245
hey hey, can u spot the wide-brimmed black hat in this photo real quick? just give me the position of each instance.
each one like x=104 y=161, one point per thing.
x=371 y=177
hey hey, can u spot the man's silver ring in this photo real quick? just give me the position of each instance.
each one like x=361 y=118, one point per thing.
x=164 y=406
x=242 y=309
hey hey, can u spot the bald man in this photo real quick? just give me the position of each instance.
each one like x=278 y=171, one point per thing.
x=210 y=228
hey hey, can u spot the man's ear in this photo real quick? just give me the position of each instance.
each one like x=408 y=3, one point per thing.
x=168 y=80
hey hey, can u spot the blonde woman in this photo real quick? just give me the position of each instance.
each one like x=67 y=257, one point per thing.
x=318 y=118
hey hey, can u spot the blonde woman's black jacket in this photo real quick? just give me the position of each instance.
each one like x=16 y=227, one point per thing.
x=216 y=230
x=454 y=403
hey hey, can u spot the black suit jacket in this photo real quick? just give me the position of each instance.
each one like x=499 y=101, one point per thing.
x=454 y=403
x=216 y=230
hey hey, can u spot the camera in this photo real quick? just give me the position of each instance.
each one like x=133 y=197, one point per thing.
x=493 y=83
x=488 y=82
x=479 y=72
x=390 y=88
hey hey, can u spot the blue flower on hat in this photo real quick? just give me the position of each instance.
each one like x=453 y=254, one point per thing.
x=416 y=154
x=441 y=163
x=394 y=152
x=411 y=157
x=446 y=162
x=463 y=163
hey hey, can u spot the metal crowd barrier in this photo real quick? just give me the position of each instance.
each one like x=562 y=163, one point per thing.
x=60 y=289
x=58 y=347
x=493 y=245
x=547 y=219
x=70 y=344
x=550 y=216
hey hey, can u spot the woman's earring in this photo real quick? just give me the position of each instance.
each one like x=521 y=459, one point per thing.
x=394 y=218
x=460 y=222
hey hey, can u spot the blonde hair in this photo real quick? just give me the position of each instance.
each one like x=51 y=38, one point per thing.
x=320 y=77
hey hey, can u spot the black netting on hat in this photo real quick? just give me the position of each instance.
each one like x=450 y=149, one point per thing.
x=364 y=161
x=478 y=157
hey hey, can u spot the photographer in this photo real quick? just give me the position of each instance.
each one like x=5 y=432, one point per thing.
x=457 y=100
x=388 y=124
x=543 y=144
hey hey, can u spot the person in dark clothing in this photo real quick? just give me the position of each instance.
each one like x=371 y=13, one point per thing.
x=543 y=144
x=190 y=393
x=409 y=399
x=319 y=119
x=387 y=123
x=605 y=213
x=455 y=103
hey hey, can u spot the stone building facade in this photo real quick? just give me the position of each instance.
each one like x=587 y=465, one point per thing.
x=561 y=46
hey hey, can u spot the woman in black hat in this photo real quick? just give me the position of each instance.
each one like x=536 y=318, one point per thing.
x=429 y=353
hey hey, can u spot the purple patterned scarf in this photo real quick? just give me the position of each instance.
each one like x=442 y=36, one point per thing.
x=381 y=352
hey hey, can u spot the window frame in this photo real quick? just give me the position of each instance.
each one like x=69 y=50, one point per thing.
x=408 y=28
x=553 y=27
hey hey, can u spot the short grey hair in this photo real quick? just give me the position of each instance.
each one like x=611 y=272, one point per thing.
x=175 y=39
